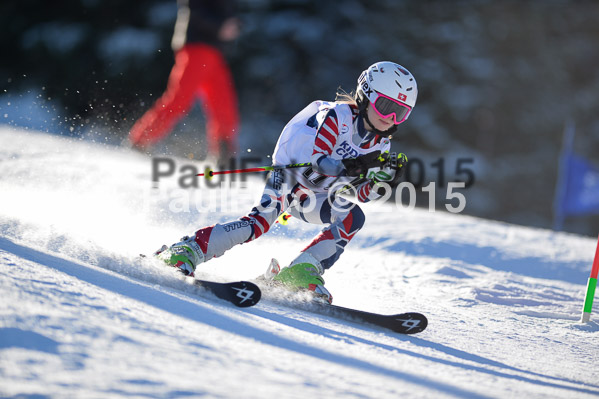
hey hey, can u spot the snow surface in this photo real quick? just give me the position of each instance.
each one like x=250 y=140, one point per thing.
x=81 y=317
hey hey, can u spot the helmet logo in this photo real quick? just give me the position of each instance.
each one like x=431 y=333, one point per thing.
x=402 y=97
x=365 y=86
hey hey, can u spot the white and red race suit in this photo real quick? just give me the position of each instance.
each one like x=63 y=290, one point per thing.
x=323 y=133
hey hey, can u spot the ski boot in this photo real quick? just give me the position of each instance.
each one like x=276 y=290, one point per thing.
x=184 y=255
x=304 y=274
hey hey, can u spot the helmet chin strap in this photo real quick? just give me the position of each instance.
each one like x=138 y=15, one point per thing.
x=389 y=132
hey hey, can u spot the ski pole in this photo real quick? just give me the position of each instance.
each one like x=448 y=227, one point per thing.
x=283 y=219
x=208 y=173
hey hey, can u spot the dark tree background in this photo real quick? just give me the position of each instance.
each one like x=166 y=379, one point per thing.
x=498 y=80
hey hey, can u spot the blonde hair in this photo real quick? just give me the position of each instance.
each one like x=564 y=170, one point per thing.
x=343 y=97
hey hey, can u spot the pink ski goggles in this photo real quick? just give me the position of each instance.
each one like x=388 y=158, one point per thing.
x=385 y=106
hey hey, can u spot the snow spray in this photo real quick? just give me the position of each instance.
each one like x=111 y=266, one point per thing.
x=591 y=285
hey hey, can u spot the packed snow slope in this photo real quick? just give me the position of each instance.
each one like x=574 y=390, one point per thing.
x=80 y=316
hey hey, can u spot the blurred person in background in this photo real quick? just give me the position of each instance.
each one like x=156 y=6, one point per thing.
x=346 y=144
x=200 y=73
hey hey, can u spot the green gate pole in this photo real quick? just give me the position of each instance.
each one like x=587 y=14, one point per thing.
x=591 y=285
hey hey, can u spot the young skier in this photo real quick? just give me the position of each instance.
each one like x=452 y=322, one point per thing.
x=346 y=142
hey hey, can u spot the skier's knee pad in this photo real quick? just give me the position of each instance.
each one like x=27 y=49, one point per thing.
x=354 y=219
x=358 y=217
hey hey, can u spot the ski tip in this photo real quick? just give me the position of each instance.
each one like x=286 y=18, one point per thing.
x=242 y=294
x=410 y=323
x=245 y=294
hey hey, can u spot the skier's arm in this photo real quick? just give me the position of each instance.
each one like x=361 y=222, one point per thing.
x=365 y=193
x=324 y=142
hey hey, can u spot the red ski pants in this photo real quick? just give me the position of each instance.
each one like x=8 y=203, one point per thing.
x=200 y=73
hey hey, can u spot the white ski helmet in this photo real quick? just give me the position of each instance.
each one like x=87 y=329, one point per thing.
x=390 y=88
